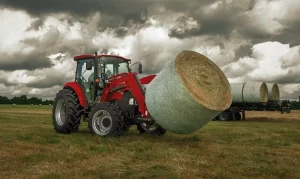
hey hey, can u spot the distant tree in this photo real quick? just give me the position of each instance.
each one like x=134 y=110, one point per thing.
x=34 y=100
x=16 y=100
x=295 y=105
x=4 y=100
x=47 y=102
x=23 y=99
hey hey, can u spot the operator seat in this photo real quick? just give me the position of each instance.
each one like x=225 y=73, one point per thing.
x=91 y=81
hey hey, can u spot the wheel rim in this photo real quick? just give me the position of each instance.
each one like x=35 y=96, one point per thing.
x=224 y=116
x=60 y=112
x=149 y=127
x=102 y=122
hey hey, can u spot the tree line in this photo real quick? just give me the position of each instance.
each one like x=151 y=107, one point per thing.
x=294 y=104
x=23 y=99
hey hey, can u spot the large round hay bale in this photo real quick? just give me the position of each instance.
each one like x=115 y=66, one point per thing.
x=255 y=92
x=273 y=92
x=188 y=93
x=14 y=105
x=237 y=92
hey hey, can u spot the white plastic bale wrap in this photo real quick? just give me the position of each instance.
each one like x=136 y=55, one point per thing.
x=188 y=93
x=255 y=92
x=274 y=93
x=145 y=85
x=237 y=92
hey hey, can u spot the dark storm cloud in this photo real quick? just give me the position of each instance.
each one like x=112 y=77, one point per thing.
x=291 y=77
x=243 y=69
x=36 y=24
x=51 y=43
x=51 y=38
x=3 y=80
x=257 y=33
x=209 y=26
x=223 y=19
x=78 y=7
x=35 y=59
x=291 y=59
x=51 y=80
x=251 y=4
x=220 y=20
x=242 y=51
x=238 y=16
x=114 y=13
x=19 y=61
x=290 y=35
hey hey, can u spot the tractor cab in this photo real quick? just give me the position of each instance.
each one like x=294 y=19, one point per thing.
x=93 y=70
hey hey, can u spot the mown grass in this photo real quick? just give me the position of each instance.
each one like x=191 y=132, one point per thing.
x=23 y=106
x=29 y=148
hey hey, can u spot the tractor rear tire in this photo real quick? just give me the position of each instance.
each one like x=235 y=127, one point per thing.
x=145 y=128
x=105 y=120
x=66 y=112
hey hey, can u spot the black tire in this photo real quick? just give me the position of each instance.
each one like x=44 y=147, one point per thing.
x=66 y=112
x=144 y=128
x=225 y=116
x=238 y=116
x=126 y=128
x=111 y=121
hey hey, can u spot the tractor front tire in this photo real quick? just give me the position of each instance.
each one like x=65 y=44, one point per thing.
x=66 y=112
x=105 y=120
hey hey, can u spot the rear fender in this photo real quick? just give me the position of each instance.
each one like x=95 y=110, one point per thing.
x=78 y=90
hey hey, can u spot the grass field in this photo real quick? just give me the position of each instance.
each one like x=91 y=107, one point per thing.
x=266 y=145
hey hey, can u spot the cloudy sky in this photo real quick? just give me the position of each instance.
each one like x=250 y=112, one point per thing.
x=250 y=40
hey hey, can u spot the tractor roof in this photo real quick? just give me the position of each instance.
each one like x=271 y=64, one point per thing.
x=87 y=56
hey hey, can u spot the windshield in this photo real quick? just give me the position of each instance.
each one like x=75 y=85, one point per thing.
x=114 y=69
x=114 y=66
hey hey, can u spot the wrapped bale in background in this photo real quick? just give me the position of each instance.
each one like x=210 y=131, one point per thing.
x=255 y=92
x=188 y=93
x=274 y=93
x=237 y=92
x=250 y=92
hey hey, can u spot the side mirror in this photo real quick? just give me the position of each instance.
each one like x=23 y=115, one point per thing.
x=140 y=68
x=89 y=65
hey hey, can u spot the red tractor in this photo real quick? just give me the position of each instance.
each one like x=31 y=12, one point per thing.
x=107 y=95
